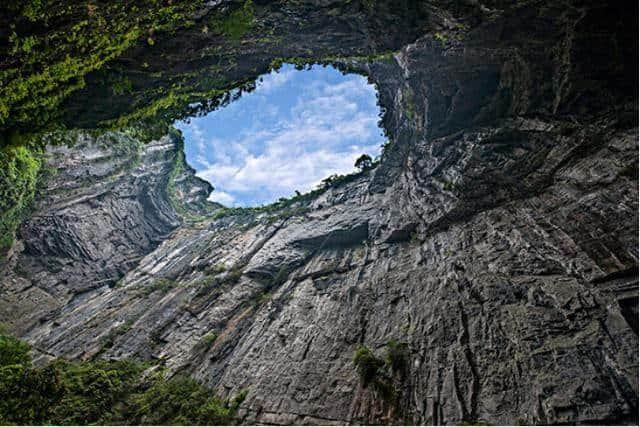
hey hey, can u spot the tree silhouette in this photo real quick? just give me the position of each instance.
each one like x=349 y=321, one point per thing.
x=364 y=162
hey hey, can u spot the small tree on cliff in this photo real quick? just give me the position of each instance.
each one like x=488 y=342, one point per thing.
x=364 y=162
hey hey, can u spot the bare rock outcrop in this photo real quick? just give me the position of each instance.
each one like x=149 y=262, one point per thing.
x=497 y=241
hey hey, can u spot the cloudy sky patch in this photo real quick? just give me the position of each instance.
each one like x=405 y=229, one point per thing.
x=295 y=129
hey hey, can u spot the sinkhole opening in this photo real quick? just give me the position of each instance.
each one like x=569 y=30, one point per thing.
x=298 y=127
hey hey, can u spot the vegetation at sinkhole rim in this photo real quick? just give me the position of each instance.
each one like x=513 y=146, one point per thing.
x=51 y=48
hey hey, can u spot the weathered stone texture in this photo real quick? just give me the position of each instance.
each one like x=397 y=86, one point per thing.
x=498 y=239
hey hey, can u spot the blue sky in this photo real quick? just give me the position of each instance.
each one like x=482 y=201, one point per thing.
x=295 y=129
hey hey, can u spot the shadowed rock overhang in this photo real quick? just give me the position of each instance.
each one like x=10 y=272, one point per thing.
x=497 y=239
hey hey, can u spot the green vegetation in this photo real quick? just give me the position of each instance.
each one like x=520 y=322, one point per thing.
x=237 y=22
x=101 y=392
x=153 y=117
x=381 y=375
x=18 y=182
x=410 y=107
x=53 y=45
x=12 y=350
x=122 y=86
x=369 y=5
x=192 y=211
x=125 y=327
x=396 y=357
x=56 y=48
x=369 y=366
x=340 y=62
x=261 y=298
x=161 y=285
x=216 y=269
x=232 y=277
x=216 y=283
x=281 y=276
x=364 y=162
x=207 y=341
x=24 y=172
x=123 y=144
x=108 y=339
x=441 y=37
x=178 y=169
x=179 y=401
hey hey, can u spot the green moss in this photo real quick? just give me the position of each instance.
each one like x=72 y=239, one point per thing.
x=191 y=211
x=450 y=186
x=163 y=109
x=56 y=48
x=441 y=37
x=123 y=145
x=410 y=107
x=177 y=170
x=18 y=183
x=239 y=397
x=122 y=86
x=232 y=277
x=62 y=42
x=101 y=392
x=179 y=167
x=236 y=23
x=207 y=341
x=125 y=327
x=261 y=298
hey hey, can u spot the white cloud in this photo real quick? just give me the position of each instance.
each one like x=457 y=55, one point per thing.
x=202 y=161
x=353 y=86
x=275 y=79
x=328 y=128
x=281 y=170
x=222 y=197
x=198 y=135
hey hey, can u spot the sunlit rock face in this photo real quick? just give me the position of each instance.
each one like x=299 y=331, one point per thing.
x=497 y=239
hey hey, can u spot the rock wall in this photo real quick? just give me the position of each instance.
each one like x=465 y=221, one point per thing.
x=498 y=240
x=102 y=206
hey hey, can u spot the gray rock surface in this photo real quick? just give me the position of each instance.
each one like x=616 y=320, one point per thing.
x=498 y=240
x=103 y=205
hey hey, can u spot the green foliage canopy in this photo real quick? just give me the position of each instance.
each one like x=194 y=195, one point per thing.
x=18 y=179
x=101 y=392
x=53 y=45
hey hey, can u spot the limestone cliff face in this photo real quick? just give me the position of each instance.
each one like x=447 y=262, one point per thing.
x=498 y=240
x=103 y=205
